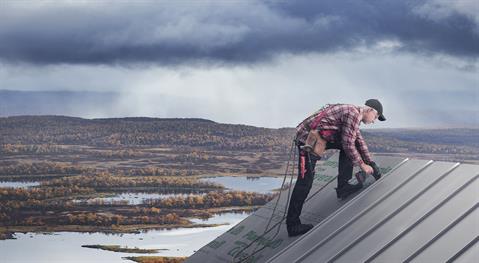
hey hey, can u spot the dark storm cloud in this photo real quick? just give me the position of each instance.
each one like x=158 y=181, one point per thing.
x=231 y=32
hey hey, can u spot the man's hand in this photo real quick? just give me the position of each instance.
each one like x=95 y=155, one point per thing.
x=366 y=168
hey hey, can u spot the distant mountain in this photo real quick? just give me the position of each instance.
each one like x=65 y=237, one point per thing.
x=71 y=103
x=170 y=132
x=194 y=132
x=451 y=136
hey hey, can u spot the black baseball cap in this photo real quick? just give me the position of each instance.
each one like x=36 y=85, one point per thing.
x=375 y=104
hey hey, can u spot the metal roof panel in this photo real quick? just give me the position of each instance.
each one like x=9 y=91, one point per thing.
x=420 y=211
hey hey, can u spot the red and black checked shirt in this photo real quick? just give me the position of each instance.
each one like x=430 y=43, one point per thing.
x=343 y=120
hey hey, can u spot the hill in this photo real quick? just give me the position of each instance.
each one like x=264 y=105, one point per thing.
x=139 y=131
x=458 y=144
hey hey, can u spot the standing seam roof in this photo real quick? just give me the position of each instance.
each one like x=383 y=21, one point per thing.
x=420 y=211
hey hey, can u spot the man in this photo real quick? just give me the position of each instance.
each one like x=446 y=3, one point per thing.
x=332 y=127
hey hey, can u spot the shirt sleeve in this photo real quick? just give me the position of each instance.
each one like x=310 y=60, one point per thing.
x=363 y=148
x=351 y=120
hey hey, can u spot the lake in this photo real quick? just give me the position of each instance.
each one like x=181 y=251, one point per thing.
x=18 y=184
x=132 y=198
x=66 y=246
x=232 y=183
x=252 y=184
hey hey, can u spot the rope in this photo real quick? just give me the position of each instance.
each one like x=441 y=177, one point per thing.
x=292 y=152
x=256 y=250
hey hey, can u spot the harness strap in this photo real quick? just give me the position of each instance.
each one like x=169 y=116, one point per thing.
x=317 y=120
x=303 y=165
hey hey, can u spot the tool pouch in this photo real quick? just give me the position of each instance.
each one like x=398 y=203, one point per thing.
x=314 y=143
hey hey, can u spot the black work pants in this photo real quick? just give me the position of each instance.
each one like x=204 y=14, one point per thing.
x=345 y=165
x=303 y=184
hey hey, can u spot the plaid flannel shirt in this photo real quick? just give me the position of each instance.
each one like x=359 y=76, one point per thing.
x=344 y=120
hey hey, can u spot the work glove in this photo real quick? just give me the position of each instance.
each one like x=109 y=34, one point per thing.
x=376 y=170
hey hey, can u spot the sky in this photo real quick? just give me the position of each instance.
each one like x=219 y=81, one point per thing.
x=261 y=63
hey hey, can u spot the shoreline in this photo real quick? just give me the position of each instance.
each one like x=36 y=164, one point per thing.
x=9 y=232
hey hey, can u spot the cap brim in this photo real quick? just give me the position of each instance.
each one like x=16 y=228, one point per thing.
x=381 y=118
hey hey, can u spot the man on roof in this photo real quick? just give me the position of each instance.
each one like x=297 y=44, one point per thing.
x=335 y=126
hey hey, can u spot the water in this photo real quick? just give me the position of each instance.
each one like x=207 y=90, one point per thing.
x=18 y=184
x=241 y=183
x=132 y=198
x=66 y=246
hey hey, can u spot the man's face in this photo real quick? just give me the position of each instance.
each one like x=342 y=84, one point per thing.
x=370 y=116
